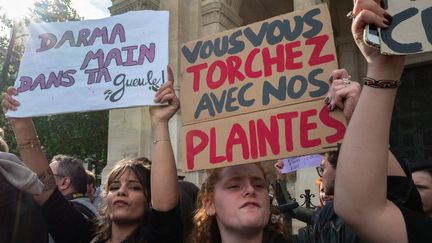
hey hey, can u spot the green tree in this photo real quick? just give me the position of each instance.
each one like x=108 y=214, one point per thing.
x=54 y=11
x=84 y=135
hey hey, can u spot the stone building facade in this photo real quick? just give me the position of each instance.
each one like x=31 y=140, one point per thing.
x=130 y=131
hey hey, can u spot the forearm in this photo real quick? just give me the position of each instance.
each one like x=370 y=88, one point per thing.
x=164 y=184
x=362 y=166
x=31 y=153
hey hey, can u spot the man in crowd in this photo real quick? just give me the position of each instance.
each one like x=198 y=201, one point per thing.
x=422 y=177
x=71 y=179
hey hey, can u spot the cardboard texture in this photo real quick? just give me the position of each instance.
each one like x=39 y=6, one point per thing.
x=411 y=29
x=256 y=88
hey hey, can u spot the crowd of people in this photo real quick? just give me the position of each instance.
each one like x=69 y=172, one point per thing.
x=368 y=195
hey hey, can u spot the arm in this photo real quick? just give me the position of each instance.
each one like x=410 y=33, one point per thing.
x=29 y=146
x=55 y=207
x=164 y=185
x=361 y=200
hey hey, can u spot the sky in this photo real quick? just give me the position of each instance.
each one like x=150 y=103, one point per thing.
x=89 y=9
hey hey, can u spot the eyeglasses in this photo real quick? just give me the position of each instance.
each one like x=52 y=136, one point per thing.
x=58 y=175
x=320 y=170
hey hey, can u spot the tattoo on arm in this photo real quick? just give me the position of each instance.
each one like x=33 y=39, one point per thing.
x=47 y=178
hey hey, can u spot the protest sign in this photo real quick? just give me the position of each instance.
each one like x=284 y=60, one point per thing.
x=256 y=93
x=88 y=65
x=410 y=31
x=296 y=163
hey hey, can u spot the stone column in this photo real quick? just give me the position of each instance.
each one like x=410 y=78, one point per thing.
x=301 y=4
x=129 y=132
x=220 y=15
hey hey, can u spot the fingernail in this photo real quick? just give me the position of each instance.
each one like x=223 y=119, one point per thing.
x=331 y=79
x=329 y=107
x=386 y=22
x=388 y=17
x=326 y=101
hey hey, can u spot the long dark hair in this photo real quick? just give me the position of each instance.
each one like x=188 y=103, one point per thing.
x=141 y=168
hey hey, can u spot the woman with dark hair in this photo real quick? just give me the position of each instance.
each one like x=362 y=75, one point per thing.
x=234 y=206
x=139 y=206
x=188 y=205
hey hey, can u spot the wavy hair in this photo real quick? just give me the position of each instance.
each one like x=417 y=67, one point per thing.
x=206 y=229
x=141 y=168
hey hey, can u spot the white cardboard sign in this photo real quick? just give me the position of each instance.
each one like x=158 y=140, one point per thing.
x=90 y=65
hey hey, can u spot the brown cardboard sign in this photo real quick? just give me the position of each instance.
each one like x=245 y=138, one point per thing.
x=411 y=29
x=256 y=93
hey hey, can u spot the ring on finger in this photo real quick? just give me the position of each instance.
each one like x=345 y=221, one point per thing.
x=346 y=81
x=350 y=15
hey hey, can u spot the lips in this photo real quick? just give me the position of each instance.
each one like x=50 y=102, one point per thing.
x=247 y=204
x=120 y=203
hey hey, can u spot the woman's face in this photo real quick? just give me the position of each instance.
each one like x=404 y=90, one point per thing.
x=241 y=201
x=126 y=200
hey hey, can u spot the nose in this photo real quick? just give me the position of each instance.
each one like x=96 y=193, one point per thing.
x=249 y=190
x=122 y=191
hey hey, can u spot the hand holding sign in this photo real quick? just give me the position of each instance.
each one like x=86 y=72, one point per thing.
x=165 y=94
x=343 y=93
x=365 y=14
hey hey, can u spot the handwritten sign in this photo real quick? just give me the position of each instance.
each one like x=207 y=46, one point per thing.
x=256 y=93
x=301 y=162
x=93 y=65
x=411 y=29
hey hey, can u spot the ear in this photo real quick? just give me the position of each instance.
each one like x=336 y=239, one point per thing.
x=209 y=206
x=65 y=183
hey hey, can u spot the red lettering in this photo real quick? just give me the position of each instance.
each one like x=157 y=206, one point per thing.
x=305 y=126
x=269 y=61
x=214 y=159
x=291 y=55
x=249 y=64
x=271 y=136
x=287 y=117
x=319 y=42
x=234 y=63
x=333 y=123
x=253 y=139
x=223 y=74
x=191 y=150
x=196 y=74
x=237 y=136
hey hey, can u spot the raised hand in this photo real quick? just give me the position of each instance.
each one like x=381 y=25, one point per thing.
x=370 y=12
x=8 y=102
x=343 y=93
x=167 y=94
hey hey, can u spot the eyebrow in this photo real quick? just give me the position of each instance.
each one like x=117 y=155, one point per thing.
x=240 y=177
x=128 y=181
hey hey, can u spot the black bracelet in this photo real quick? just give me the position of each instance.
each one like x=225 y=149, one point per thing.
x=383 y=84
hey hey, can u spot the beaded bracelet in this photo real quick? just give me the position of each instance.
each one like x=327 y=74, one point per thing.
x=384 y=84
x=29 y=144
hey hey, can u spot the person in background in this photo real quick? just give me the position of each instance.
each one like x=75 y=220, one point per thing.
x=91 y=186
x=71 y=179
x=422 y=177
x=188 y=205
x=365 y=161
